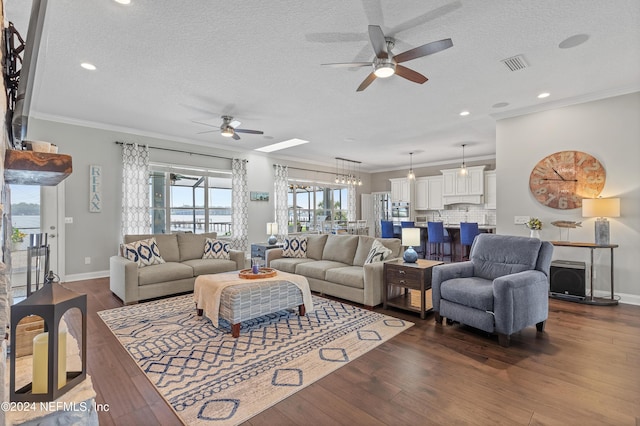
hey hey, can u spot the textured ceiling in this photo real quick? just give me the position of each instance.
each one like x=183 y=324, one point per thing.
x=161 y=65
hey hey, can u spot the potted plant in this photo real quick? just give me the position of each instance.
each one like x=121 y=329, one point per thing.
x=17 y=236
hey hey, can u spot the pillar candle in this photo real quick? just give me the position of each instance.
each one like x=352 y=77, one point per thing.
x=40 y=360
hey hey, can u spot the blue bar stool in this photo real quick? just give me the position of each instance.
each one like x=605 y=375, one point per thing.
x=437 y=239
x=386 y=227
x=468 y=232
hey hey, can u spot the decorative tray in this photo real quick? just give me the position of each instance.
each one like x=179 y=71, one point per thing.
x=248 y=274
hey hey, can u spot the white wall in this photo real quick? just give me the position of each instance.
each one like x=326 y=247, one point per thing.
x=608 y=129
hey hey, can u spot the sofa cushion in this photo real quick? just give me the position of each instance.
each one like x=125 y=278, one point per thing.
x=169 y=271
x=318 y=268
x=474 y=292
x=497 y=255
x=295 y=247
x=288 y=264
x=210 y=266
x=143 y=252
x=350 y=276
x=215 y=249
x=378 y=253
x=167 y=243
x=315 y=245
x=192 y=245
x=364 y=247
x=340 y=248
x=394 y=244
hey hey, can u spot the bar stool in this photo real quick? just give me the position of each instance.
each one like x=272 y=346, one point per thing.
x=420 y=250
x=437 y=239
x=386 y=227
x=468 y=232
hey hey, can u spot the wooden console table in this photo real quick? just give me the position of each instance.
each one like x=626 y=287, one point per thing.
x=591 y=300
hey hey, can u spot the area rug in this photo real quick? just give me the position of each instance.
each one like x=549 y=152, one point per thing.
x=210 y=378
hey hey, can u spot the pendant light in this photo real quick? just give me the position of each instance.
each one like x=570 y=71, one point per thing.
x=411 y=175
x=463 y=168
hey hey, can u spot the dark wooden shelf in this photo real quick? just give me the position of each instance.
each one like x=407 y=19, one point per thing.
x=36 y=168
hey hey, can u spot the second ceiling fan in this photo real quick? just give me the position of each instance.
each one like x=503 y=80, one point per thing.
x=230 y=128
x=385 y=64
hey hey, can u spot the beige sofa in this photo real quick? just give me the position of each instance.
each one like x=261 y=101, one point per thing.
x=335 y=266
x=183 y=256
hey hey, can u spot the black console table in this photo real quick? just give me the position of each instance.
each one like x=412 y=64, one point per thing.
x=591 y=300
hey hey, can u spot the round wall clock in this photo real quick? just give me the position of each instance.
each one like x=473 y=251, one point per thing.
x=561 y=180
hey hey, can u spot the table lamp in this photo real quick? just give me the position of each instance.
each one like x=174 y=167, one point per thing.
x=601 y=208
x=272 y=229
x=410 y=238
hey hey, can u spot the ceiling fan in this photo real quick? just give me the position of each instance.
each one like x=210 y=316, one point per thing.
x=385 y=64
x=229 y=128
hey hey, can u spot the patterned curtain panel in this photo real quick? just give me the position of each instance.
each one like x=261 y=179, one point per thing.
x=351 y=202
x=239 y=205
x=136 y=218
x=281 y=196
x=377 y=213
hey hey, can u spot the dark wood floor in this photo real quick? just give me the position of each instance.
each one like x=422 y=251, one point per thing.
x=584 y=370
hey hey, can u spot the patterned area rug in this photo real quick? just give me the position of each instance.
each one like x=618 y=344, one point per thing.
x=210 y=378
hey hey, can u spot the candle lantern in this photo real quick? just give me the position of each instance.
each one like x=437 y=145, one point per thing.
x=51 y=376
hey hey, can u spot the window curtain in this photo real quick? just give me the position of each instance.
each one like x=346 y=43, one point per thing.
x=136 y=218
x=351 y=202
x=378 y=200
x=281 y=197
x=239 y=205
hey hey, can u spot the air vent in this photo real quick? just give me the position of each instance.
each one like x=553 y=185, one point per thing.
x=515 y=63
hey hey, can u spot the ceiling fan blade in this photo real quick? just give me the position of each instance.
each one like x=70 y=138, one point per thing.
x=424 y=50
x=378 y=42
x=367 y=81
x=410 y=74
x=234 y=123
x=348 y=64
x=206 y=131
x=253 y=132
x=205 y=124
x=235 y=136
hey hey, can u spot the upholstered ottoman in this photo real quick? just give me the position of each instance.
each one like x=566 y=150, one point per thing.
x=246 y=300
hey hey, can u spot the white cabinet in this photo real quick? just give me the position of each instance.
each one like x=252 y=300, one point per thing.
x=435 y=193
x=428 y=193
x=490 y=191
x=400 y=190
x=457 y=188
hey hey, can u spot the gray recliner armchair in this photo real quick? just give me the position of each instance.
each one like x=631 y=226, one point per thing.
x=503 y=288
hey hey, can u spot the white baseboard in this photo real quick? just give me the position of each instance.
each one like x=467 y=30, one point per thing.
x=630 y=299
x=86 y=276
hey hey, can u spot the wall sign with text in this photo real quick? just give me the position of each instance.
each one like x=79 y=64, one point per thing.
x=95 y=189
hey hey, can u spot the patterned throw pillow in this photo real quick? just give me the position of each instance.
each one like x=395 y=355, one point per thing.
x=295 y=247
x=378 y=252
x=216 y=249
x=143 y=252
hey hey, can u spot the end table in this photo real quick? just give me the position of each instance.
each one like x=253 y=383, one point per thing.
x=405 y=278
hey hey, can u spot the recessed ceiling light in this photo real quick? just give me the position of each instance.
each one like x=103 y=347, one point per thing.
x=282 y=145
x=464 y=113
x=88 y=66
x=573 y=41
x=123 y=1
x=543 y=95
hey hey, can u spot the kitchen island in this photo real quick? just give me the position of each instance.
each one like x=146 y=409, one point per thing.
x=453 y=230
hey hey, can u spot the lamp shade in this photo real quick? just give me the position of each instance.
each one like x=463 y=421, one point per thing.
x=410 y=236
x=601 y=207
x=272 y=228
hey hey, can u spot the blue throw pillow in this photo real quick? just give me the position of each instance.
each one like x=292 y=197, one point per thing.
x=295 y=247
x=143 y=252
x=216 y=249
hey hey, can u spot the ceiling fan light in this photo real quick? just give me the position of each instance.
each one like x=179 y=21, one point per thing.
x=227 y=131
x=384 y=70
